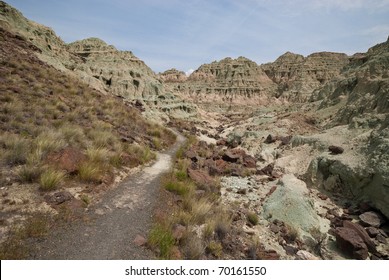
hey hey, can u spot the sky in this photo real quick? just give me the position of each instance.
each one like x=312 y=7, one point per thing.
x=188 y=33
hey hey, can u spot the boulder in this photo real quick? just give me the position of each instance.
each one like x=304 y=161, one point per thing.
x=271 y=139
x=291 y=204
x=267 y=170
x=372 y=219
x=221 y=142
x=234 y=155
x=362 y=233
x=305 y=255
x=249 y=161
x=335 y=150
x=372 y=231
x=201 y=177
x=59 y=197
x=349 y=241
x=68 y=159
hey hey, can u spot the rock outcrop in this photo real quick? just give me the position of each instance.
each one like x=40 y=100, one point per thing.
x=297 y=77
x=226 y=82
x=173 y=76
x=290 y=203
x=102 y=66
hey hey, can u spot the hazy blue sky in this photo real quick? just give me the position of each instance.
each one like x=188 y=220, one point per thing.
x=185 y=34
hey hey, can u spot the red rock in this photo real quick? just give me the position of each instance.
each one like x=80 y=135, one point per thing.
x=221 y=142
x=335 y=150
x=267 y=170
x=351 y=243
x=234 y=155
x=268 y=255
x=372 y=219
x=249 y=161
x=380 y=238
x=68 y=159
x=322 y=196
x=362 y=233
x=372 y=231
x=140 y=240
x=201 y=177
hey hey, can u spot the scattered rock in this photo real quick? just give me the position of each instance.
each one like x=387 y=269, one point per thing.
x=242 y=191
x=351 y=243
x=233 y=155
x=267 y=170
x=139 y=240
x=221 y=142
x=271 y=139
x=59 y=197
x=178 y=231
x=335 y=150
x=249 y=161
x=362 y=233
x=267 y=255
x=285 y=140
x=380 y=238
x=372 y=231
x=201 y=177
x=305 y=255
x=290 y=250
x=274 y=228
x=371 y=219
x=322 y=196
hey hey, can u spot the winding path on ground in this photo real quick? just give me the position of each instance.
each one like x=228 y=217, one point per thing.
x=115 y=221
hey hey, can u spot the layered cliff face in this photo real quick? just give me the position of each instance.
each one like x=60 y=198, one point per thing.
x=173 y=76
x=118 y=72
x=229 y=81
x=52 y=48
x=363 y=91
x=297 y=76
x=102 y=66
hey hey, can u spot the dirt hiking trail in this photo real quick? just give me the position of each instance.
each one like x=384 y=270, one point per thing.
x=115 y=221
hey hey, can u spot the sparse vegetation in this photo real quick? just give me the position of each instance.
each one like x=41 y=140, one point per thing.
x=252 y=218
x=50 y=179
x=161 y=237
x=43 y=111
x=199 y=211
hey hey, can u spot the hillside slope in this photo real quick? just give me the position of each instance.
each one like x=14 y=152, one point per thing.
x=58 y=134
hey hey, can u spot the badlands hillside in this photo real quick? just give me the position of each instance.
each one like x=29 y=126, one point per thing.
x=285 y=160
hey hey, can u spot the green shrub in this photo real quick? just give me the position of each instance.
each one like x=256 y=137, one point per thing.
x=252 y=218
x=176 y=187
x=181 y=175
x=161 y=237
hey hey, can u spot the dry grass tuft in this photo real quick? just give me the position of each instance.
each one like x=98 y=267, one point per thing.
x=50 y=179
